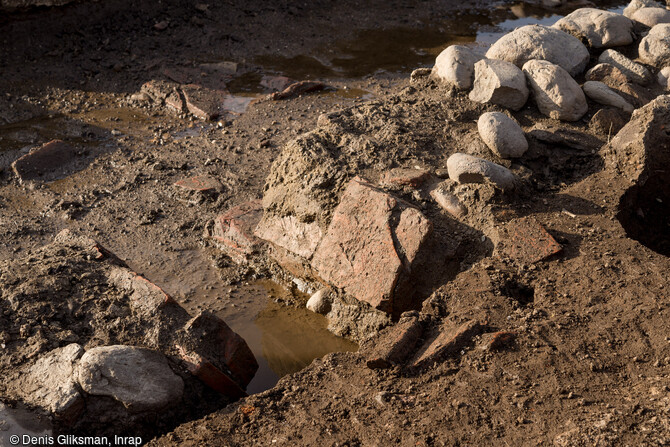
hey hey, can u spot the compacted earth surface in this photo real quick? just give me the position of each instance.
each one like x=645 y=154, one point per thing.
x=178 y=178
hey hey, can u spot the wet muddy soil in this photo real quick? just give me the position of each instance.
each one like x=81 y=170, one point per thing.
x=70 y=73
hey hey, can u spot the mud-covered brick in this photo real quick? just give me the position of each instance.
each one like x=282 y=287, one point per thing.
x=495 y=341
x=448 y=342
x=405 y=177
x=210 y=337
x=159 y=90
x=97 y=251
x=210 y=375
x=527 y=241
x=234 y=229
x=371 y=243
x=297 y=89
x=50 y=384
x=41 y=163
x=395 y=344
x=198 y=188
x=145 y=297
x=204 y=103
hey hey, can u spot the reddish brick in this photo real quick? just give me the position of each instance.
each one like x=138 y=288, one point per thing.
x=210 y=336
x=297 y=89
x=43 y=163
x=497 y=340
x=526 y=240
x=212 y=376
x=234 y=229
x=405 y=177
x=448 y=342
x=359 y=252
x=395 y=344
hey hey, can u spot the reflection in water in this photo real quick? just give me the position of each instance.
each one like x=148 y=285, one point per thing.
x=292 y=338
x=525 y=16
x=283 y=339
x=237 y=104
x=403 y=49
x=19 y=421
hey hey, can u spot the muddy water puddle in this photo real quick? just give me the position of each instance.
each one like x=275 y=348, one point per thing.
x=402 y=49
x=19 y=421
x=283 y=339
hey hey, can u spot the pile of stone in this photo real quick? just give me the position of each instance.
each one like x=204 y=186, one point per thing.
x=543 y=63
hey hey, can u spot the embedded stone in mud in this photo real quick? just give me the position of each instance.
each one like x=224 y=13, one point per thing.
x=44 y=163
x=651 y=16
x=138 y=378
x=602 y=29
x=499 y=82
x=456 y=66
x=371 y=242
x=655 y=47
x=633 y=71
x=556 y=93
x=602 y=94
x=234 y=229
x=464 y=168
x=49 y=383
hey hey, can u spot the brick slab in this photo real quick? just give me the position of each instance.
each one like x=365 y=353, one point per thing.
x=395 y=345
x=41 y=163
x=448 y=342
x=289 y=233
x=145 y=296
x=204 y=103
x=212 y=376
x=526 y=240
x=372 y=240
x=234 y=229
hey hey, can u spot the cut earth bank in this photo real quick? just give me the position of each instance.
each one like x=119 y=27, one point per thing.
x=529 y=312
